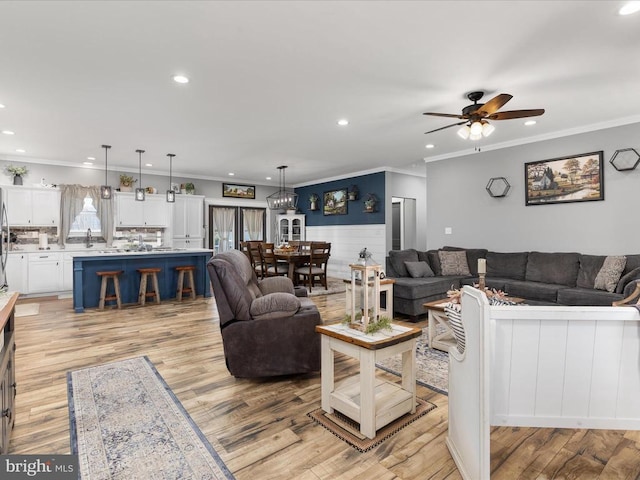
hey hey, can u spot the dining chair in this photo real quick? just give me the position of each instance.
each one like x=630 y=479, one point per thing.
x=253 y=247
x=271 y=266
x=317 y=266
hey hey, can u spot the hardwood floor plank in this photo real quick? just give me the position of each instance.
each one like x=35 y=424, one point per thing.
x=260 y=427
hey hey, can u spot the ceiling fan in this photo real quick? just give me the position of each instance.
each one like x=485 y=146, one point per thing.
x=475 y=117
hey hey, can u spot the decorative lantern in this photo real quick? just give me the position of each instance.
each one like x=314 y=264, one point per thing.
x=366 y=271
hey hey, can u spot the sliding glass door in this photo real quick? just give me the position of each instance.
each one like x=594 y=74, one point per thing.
x=228 y=226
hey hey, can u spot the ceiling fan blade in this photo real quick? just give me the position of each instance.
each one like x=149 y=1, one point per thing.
x=448 y=126
x=511 y=114
x=448 y=115
x=493 y=105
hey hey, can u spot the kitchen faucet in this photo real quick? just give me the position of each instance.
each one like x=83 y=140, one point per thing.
x=89 y=244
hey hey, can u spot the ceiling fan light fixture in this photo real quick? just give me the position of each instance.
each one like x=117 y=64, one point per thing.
x=476 y=128
x=464 y=132
x=475 y=136
x=487 y=129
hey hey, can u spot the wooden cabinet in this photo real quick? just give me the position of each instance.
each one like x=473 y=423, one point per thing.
x=45 y=272
x=153 y=212
x=7 y=370
x=188 y=223
x=291 y=227
x=33 y=206
x=17 y=271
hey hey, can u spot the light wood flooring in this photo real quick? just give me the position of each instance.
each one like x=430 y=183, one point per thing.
x=259 y=427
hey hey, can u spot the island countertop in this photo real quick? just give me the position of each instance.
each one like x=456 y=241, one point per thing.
x=86 y=282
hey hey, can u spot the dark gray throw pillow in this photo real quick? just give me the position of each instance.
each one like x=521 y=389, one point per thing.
x=419 y=269
x=398 y=257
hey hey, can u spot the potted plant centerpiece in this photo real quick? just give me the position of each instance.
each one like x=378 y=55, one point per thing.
x=189 y=188
x=17 y=172
x=313 y=202
x=126 y=182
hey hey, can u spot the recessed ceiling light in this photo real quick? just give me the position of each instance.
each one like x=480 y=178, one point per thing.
x=180 y=79
x=528 y=123
x=343 y=122
x=231 y=174
x=268 y=178
x=629 y=8
x=87 y=163
x=21 y=150
x=91 y=158
x=429 y=145
x=8 y=132
x=148 y=164
x=1 y=105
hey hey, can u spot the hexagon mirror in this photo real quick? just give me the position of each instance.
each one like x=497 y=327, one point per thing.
x=498 y=187
x=625 y=159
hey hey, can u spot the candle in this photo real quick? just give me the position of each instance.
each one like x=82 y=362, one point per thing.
x=482 y=266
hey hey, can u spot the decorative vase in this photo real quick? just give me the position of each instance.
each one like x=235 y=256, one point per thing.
x=17 y=179
x=313 y=206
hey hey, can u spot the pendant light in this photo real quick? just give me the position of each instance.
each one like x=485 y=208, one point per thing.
x=105 y=190
x=171 y=195
x=282 y=199
x=140 y=189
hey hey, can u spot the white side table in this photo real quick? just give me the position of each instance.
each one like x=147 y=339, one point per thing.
x=370 y=401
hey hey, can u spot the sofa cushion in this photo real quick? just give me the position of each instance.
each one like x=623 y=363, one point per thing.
x=628 y=278
x=418 y=269
x=398 y=257
x=590 y=265
x=431 y=256
x=554 y=268
x=274 y=305
x=454 y=262
x=421 y=288
x=507 y=265
x=545 y=292
x=610 y=273
x=587 y=296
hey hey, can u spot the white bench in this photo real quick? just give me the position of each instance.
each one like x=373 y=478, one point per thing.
x=564 y=367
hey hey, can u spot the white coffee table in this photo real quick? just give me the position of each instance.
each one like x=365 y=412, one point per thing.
x=366 y=399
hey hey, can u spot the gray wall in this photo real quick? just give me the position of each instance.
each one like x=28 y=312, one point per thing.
x=456 y=198
x=407 y=186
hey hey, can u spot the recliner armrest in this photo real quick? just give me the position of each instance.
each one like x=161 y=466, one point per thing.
x=276 y=285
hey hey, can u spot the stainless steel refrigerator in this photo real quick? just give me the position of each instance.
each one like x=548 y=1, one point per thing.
x=4 y=243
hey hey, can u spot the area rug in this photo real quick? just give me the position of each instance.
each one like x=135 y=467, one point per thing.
x=349 y=431
x=432 y=366
x=334 y=285
x=27 y=309
x=126 y=423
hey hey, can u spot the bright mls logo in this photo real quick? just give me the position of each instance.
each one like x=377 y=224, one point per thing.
x=51 y=467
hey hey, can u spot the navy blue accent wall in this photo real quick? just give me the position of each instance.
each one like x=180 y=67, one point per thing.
x=373 y=183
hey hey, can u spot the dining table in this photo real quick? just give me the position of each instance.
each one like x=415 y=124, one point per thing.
x=293 y=258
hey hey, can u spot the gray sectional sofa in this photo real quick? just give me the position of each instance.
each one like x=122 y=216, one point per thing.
x=539 y=277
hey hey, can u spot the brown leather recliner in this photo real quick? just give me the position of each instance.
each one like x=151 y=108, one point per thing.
x=266 y=329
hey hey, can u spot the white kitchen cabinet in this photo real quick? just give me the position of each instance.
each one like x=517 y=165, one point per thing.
x=45 y=272
x=33 y=206
x=153 y=212
x=291 y=227
x=67 y=271
x=188 y=221
x=17 y=271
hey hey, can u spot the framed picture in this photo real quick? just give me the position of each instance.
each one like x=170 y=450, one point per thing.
x=238 y=191
x=175 y=187
x=578 y=178
x=335 y=202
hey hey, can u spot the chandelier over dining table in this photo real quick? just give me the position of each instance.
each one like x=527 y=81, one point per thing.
x=283 y=198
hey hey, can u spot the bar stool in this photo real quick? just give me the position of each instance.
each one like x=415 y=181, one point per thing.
x=143 y=294
x=189 y=269
x=113 y=275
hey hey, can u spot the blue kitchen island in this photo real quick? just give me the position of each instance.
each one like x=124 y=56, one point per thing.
x=86 y=283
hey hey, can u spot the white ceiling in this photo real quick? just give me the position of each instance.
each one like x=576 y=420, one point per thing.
x=270 y=79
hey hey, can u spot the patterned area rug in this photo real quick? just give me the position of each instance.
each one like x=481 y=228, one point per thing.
x=126 y=423
x=349 y=431
x=334 y=285
x=432 y=366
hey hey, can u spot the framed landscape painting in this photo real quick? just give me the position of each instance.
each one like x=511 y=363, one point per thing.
x=578 y=178
x=238 y=191
x=334 y=202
